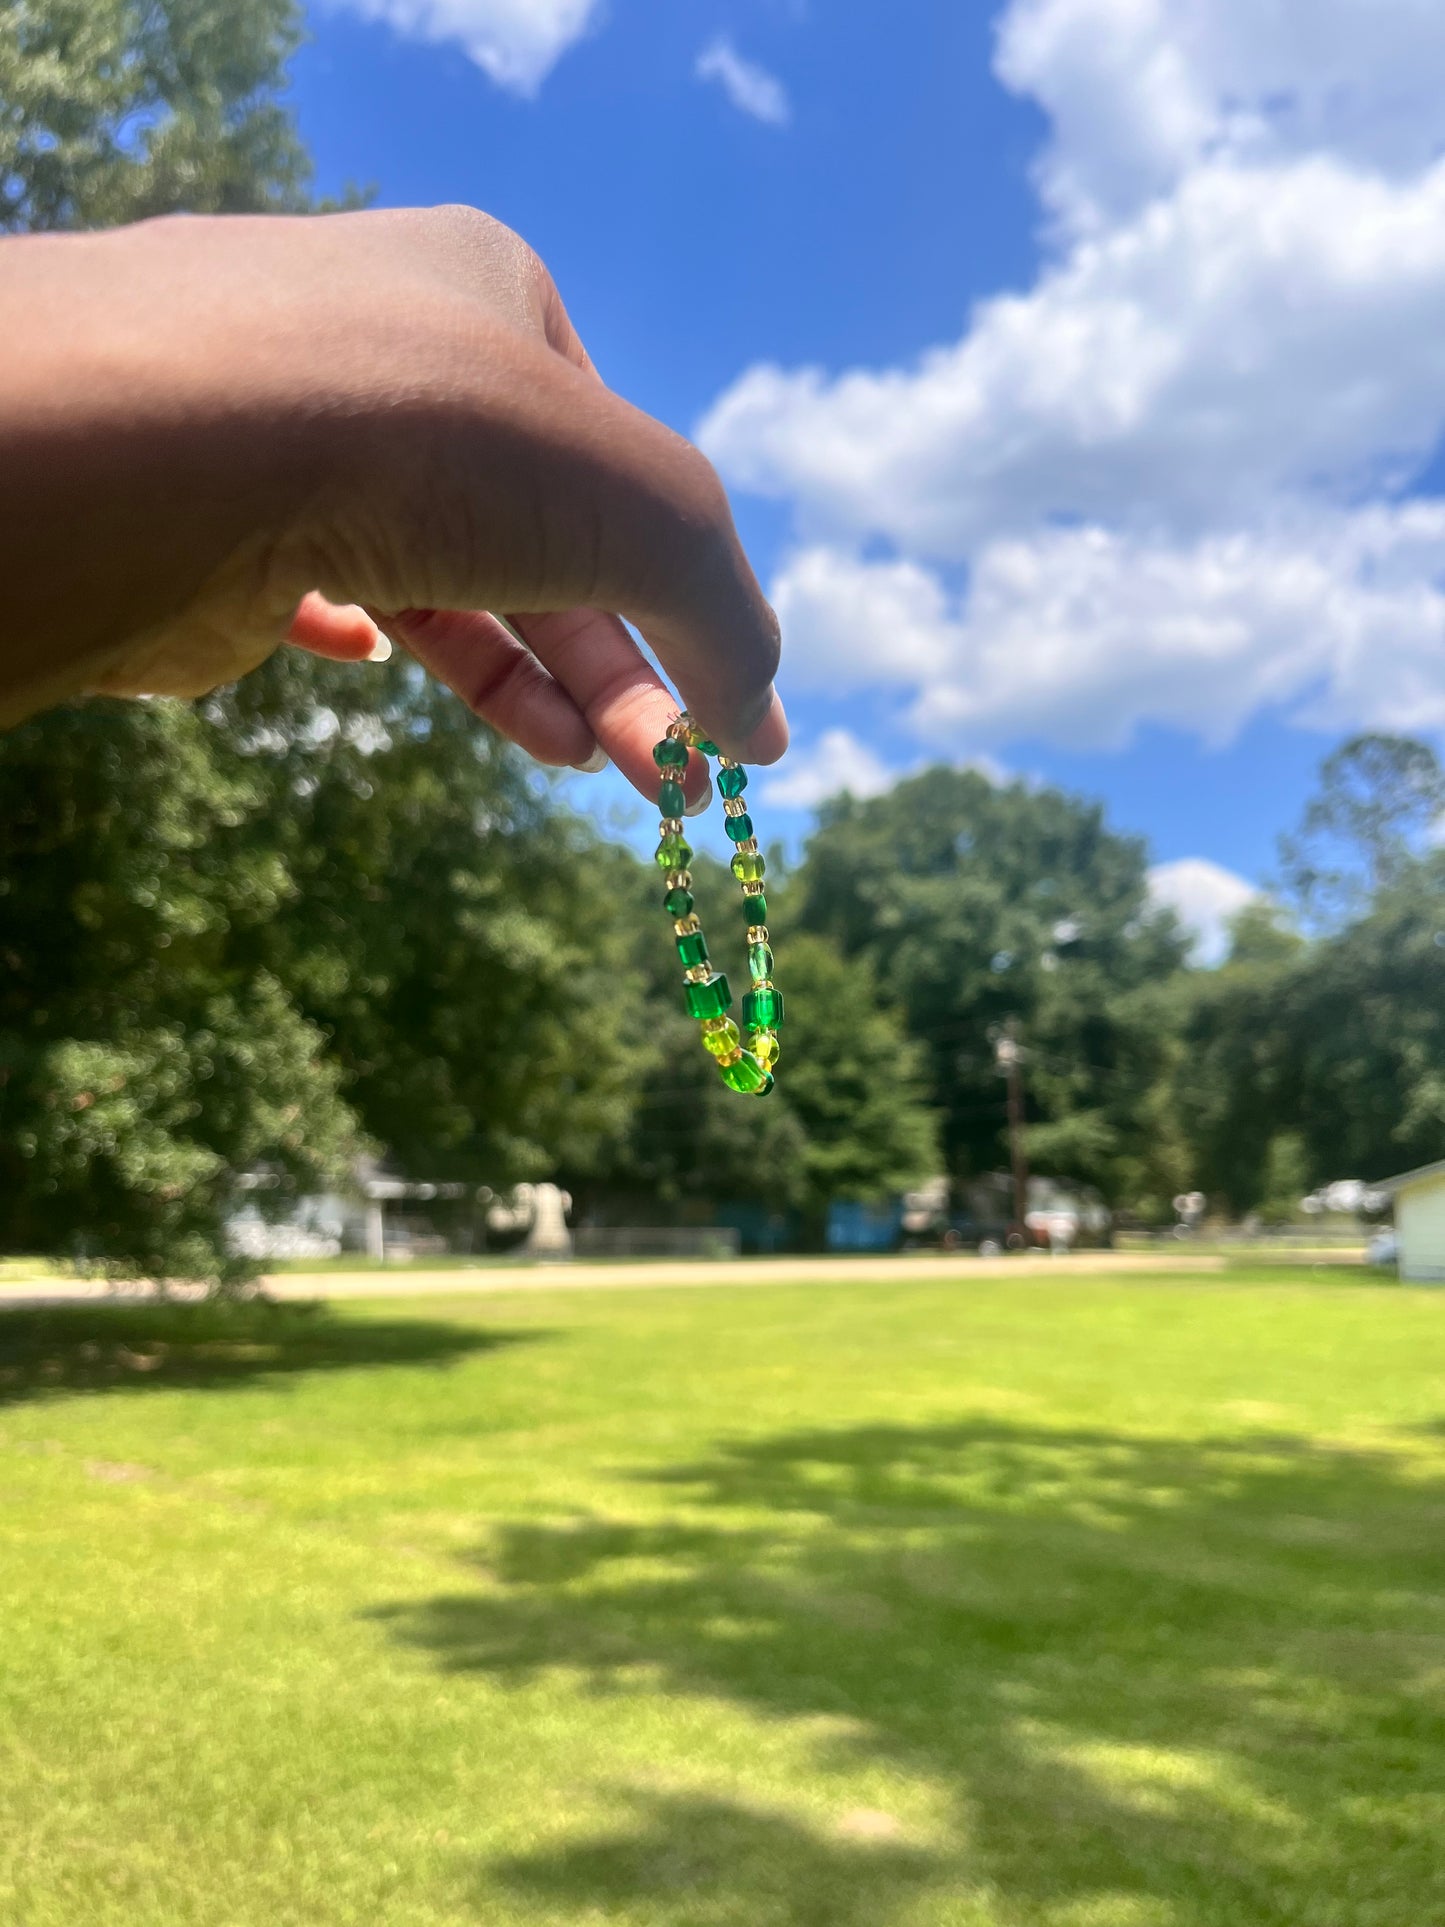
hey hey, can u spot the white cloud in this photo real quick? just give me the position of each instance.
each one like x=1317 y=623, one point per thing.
x=1141 y=92
x=1080 y=635
x=750 y=88
x=516 y=42
x=1204 y=896
x=838 y=761
x=1165 y=483
x=1257 y=335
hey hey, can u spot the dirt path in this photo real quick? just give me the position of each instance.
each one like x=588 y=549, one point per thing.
x=664 y=1273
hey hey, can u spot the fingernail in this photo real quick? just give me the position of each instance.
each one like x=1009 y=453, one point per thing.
x=697 y=808
x=380 y=650
x=595 y=762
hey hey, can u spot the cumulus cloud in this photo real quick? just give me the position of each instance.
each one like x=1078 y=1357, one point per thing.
x=1254 y=336
x=750 y=88
x=1141 y=92
x=1204 y=896
x=1080 y=635
x=516 y=42
x=1170 y=481
x=838 y=761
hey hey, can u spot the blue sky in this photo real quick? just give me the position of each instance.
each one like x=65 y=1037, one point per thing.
x=1076 y=365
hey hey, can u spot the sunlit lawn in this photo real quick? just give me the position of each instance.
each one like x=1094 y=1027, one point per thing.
x=1011 y=1602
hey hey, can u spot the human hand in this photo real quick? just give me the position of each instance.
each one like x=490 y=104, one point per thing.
x=235 y=430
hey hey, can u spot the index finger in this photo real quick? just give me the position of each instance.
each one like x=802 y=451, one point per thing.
x=637 y=521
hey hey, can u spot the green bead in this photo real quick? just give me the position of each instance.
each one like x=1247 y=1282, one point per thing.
x=706 y=746
x=670 y=753
x=670 y=799
x=722 y=1042
x=760 y=962
x=673 y=853
x=763 y=1009
x=739 y=828
x=745 y=1074
x=748 y=866
x=756 y=909
x=708 y=1000
x=732 y=782
x=692 y=950
x=678 y=902
x=764 y=1046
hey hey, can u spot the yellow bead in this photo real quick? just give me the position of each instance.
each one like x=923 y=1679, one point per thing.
x=764 y=1046
x=724 y=1041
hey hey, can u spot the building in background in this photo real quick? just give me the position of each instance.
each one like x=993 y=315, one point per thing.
x=1420 y=1223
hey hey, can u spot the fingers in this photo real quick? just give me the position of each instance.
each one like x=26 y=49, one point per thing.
x=338 y=630
x=648 y=511
x=499 y=679
x=627 y=705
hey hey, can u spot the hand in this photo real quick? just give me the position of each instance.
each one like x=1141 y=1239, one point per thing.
x=234 y=430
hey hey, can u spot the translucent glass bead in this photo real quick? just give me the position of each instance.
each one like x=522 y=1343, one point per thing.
x=706 y=745
x=745 y=1074
x=693 y=949
x=756 y=908
x=670 y=799
x=670 y=754
x=748 y=867
x=678 y=903
x=739 y=828
x=763 y=1009
x=764 y=1046
x=710 y=999
x=723 y=1041
x=760 y=962
x=673 y=853
x=732 y=781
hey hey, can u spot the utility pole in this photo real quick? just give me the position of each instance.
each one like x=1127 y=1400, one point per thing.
x=1008 y=1054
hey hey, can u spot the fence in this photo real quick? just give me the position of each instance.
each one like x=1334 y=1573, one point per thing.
x=656 y=1241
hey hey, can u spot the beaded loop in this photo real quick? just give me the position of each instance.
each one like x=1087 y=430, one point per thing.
x=746 y=1058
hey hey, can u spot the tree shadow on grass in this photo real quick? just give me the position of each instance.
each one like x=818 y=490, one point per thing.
x=47 y=1351
x=1157 y=1682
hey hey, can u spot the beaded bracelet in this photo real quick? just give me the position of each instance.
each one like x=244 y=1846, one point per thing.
x=745 y=1066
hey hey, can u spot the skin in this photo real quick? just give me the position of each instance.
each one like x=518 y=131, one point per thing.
x=221 y=434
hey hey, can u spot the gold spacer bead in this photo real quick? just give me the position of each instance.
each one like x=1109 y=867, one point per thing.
x=728 y=762
x=763 y=983
x=670 y=826
x=734 y=806
x=752 y=889
x=698 y=974
x=713 y=1023
x=689 y=925
x=750 y=848
x=679 y=879
x=731 y=1058
x=680 y=728
x=757 y=933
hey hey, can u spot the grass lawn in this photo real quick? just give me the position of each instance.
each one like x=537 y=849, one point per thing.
x=1011 y=1603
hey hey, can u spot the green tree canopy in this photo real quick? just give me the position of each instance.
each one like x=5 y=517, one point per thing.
x=111 y=110
x=976 y=904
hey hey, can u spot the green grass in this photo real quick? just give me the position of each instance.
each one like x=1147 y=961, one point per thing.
x=1011 y=1603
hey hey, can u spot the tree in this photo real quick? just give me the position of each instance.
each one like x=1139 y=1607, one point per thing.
x=849 y=1117
x=111 y=110
x=1379 y=798
x=976 y=904
x=461 y=940
x=146 y=1057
